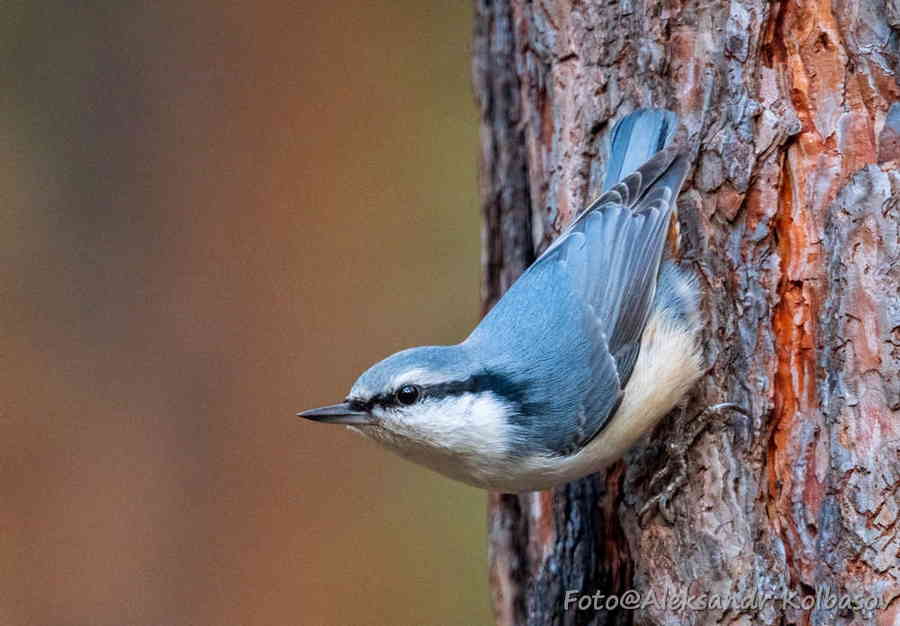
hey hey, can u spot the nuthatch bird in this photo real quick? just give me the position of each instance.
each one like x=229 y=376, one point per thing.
x=587 y=350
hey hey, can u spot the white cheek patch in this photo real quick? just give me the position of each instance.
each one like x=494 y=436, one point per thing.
x=489 y=423
x=470 y=424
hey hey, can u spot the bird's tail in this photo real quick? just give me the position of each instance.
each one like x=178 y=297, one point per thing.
x=635 y=139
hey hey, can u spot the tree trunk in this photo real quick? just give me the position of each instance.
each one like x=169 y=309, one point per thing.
x=790 y=220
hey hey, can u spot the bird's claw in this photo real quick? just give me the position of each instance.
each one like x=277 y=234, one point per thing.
x=662 y=499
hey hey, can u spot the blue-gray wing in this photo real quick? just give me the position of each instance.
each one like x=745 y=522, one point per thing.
x=601 y=274
x=611 y=255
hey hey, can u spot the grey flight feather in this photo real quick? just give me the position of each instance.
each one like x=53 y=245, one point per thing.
x=624 y=231
x=599 y=279
x=636 y=138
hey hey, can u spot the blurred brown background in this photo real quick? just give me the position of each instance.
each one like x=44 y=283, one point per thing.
x=213 y=216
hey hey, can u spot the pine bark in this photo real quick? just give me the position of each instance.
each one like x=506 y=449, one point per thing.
x=791 y=220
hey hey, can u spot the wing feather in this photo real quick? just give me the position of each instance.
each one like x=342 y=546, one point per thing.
x=611 y=254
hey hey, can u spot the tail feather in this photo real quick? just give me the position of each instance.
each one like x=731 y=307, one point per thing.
x=635 y=139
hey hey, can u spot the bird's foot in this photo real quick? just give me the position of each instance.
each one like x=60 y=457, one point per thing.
x=677 y=466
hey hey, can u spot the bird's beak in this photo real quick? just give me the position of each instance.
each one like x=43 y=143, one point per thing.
x=338 y=414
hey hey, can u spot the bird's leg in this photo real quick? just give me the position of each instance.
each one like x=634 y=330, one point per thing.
x=661 y=497
x=677 y=459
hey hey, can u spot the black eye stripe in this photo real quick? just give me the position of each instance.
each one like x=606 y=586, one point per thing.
x=513 y=392
x=498 y=384
x=359 y=405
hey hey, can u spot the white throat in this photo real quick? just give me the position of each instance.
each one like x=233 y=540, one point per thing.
x=462 y=436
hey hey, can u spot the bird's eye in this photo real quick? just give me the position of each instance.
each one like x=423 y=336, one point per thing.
x=407 y=394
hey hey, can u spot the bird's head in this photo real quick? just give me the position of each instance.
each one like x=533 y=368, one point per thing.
x=434 y=399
